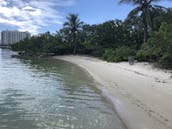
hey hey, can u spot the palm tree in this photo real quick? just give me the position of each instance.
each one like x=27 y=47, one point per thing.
x=73 y=24
x=144 y=7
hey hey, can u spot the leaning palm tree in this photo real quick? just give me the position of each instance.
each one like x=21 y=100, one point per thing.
x=73 y=24
x=144 y=7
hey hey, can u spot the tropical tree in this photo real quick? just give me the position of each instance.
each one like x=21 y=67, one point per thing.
x=159 y=47
x=143 y=9
x=157 y=17
x=73 y=24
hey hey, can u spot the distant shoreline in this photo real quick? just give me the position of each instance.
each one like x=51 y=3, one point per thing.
x=5 y=47
x=140 y=93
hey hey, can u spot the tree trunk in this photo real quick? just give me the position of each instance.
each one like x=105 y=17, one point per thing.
x=74 y=50
x=145 y=25
x=74 y=44
x=145 y=33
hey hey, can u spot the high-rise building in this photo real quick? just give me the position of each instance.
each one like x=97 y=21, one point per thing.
x=11 y=37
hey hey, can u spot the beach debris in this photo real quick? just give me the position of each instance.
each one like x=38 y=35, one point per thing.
x=131 y=60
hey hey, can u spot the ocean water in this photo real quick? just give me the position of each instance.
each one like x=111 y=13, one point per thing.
x=51 y=94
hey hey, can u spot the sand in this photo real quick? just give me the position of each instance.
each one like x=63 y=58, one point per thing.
x=141 y=94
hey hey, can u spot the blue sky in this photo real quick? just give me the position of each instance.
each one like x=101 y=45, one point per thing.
x=39 y=16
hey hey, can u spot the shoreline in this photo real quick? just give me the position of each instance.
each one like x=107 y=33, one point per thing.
x=140 y=93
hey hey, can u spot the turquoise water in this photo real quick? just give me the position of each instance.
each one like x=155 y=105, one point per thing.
x=51 y=94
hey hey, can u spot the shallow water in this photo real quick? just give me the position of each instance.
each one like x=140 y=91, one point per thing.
x=51 y=94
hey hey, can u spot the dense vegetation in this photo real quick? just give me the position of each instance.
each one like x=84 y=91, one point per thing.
x=159 y=47
x=146 y=34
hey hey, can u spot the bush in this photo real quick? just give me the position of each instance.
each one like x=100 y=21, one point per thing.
x=158 y=49
x=141 y=56
x=118 y=54
x=124 y=52
x=109 y=55
x=166 y=60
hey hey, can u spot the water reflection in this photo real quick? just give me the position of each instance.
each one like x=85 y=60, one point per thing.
x=11 y=112
x=50 y=94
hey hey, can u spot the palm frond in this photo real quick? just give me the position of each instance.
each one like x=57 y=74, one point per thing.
x=131 y=1
x=134 y=12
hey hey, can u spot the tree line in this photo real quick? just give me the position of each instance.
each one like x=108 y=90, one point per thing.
x=146 y=33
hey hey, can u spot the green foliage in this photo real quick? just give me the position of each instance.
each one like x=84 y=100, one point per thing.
x=110 y=56
x=43 y=43
x=118 y=54
x=166 y=60
x=125 y=52
x=112 y=33
x=86 y=47
x=146 y=16
x=113 y=40
x=159 y=46
x=142 y=56
x=72 y=25
x=159 y=15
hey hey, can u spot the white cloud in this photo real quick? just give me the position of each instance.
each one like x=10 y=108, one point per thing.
x=31 y=15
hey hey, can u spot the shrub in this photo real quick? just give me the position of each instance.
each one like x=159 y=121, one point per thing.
x=124 y=52
x=118 y=54
x=166 y=60
x=159 y=47
x=141 y=56
x=109 y=55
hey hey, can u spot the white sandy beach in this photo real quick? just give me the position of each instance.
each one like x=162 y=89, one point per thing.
x=141 y=94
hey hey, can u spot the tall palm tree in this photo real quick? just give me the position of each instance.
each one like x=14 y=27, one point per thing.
x=143 y=7
x=73 y=24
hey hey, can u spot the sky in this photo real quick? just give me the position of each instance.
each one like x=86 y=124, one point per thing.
x=38 y=16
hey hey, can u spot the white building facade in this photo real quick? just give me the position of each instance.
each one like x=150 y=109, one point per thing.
x=11 y=37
